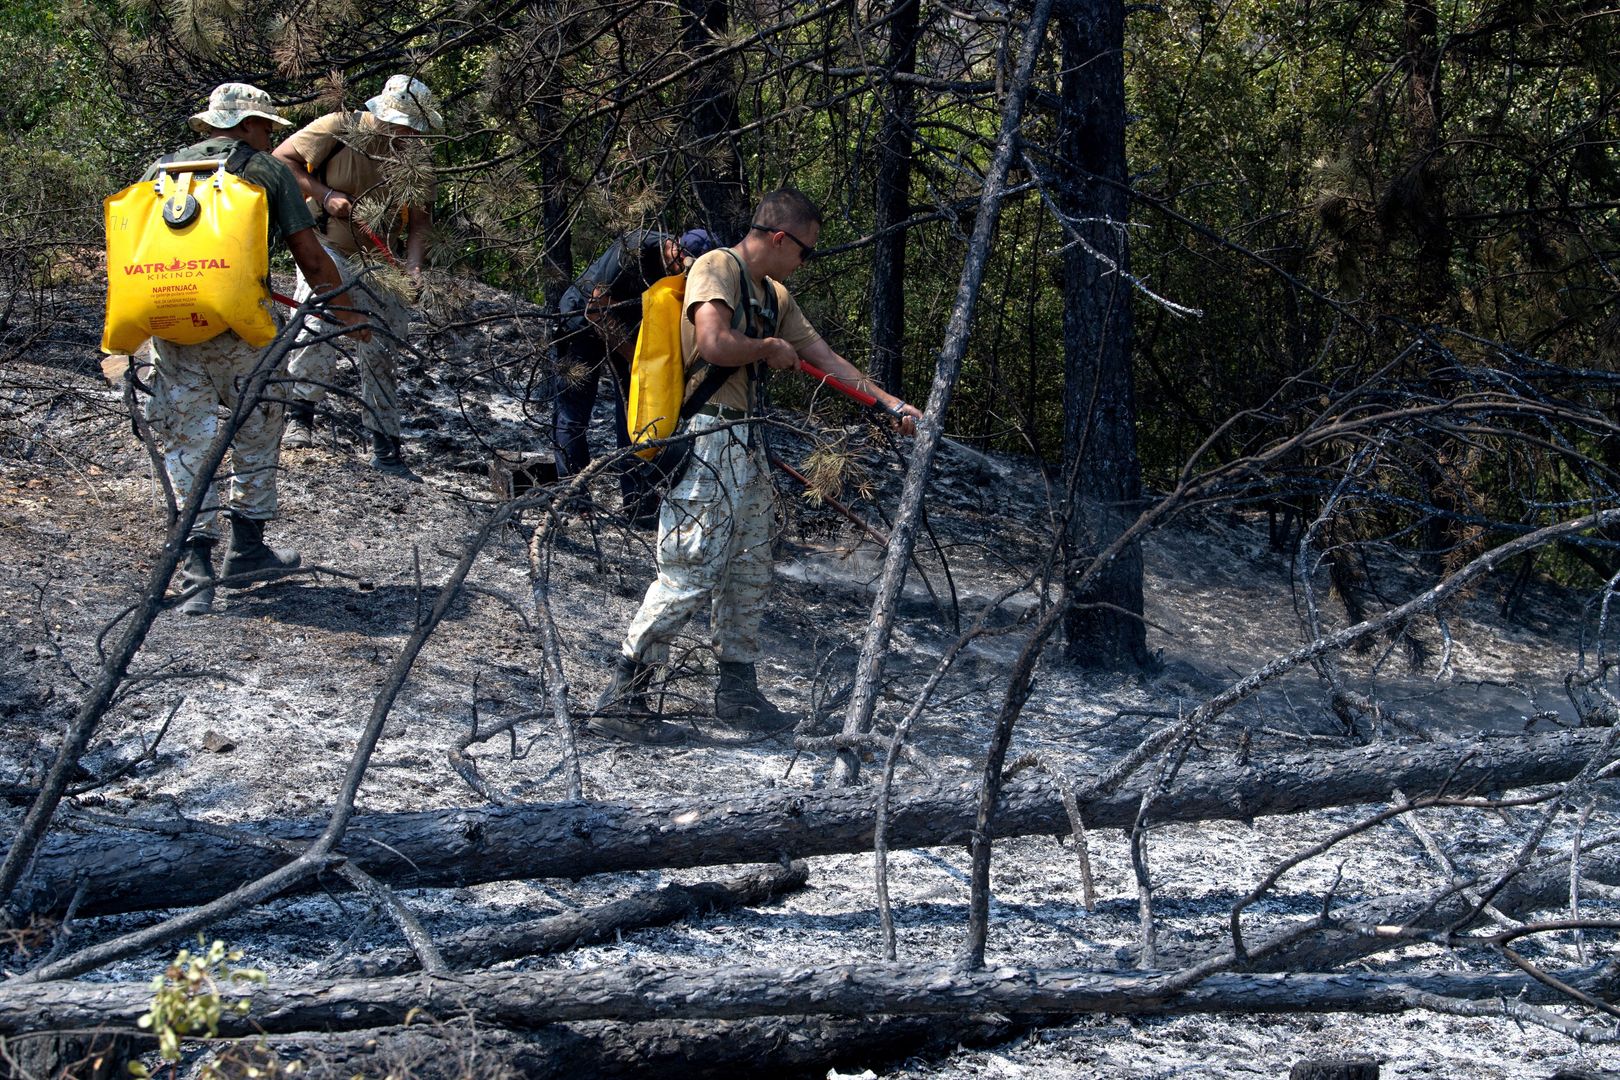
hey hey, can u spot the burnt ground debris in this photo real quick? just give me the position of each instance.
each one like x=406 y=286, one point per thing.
x=283 y=675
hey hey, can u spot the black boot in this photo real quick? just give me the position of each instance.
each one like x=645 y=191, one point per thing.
x=300 y=430
x=249 y=554
x=641 y=508
x=737 y=700
x=385 y=453
x=638 y=499
x=197 y=569
x=622 y=712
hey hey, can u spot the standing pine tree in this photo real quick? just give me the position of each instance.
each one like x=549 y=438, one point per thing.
x=1103 y=624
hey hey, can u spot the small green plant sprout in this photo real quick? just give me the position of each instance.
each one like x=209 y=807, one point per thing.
x=189 y=997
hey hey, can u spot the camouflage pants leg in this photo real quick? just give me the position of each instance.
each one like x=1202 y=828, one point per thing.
x=315 y=366
x=714 y=548
x=190 y=383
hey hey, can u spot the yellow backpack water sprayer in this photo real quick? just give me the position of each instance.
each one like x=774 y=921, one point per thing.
x=187 y=261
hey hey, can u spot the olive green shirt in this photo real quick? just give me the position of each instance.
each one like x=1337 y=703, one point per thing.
x=288 y=214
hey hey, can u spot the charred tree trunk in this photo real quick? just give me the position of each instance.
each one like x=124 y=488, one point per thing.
x=894 y=203
x=1420 y=193
x=781 y=1047
x=465 y=847
x=528 y=1000
x=717 y=183
x=558 y=258
x=491 y=944
x=1103 y=624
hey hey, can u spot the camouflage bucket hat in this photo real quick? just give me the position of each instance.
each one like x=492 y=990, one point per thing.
x=407 y=101
x=231 y=103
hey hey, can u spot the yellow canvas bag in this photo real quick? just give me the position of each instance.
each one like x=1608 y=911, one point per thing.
x=188 y=257
x=658 y=376
x=657 y=372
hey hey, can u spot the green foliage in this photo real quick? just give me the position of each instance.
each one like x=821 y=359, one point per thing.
x=1294 y=182
x=189 y=998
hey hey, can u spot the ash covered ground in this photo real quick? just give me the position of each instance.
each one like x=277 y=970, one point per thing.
x=268 y=695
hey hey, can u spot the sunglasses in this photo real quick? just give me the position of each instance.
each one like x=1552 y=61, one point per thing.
x=806 y=251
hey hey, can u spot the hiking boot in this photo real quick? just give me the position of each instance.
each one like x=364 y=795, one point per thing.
x=300 y=430
x=385 y=453
x=642 y=510
x=648 y=730
x=626 y=693
x=737 y=700
x=197 y=569
x=622 y=712
x=249 y=554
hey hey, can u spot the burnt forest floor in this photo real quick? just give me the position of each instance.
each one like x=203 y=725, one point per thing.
x=268 y=694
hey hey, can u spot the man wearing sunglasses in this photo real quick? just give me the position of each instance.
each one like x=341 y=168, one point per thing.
x=714 y=527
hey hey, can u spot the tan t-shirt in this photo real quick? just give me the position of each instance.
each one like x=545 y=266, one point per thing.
x=717 y=276
x=353 y=150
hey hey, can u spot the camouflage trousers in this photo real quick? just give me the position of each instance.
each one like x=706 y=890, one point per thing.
x=315 y=366
x=190 y=384
x=714 y=548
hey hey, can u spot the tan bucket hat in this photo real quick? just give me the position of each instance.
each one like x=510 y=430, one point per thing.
x=233 y=102
x=407 y=101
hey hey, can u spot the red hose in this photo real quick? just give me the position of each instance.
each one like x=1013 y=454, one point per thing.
x=838 y=384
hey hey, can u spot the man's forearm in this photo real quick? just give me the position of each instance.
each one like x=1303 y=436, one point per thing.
x=844 y=371
x=323 y=275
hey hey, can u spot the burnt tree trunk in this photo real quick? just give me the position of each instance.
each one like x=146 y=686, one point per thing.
x=893 y=203
x=1420 y=195
x=134 y=871
x=489 y=944
x=527 y=1000
x=780 y=1047
x=1103 y=624
x=717 y=183
x=557 y=234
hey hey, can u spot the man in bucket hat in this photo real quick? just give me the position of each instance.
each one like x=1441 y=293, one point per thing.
x=191 y=383
x=599 y=316
x=362 y=174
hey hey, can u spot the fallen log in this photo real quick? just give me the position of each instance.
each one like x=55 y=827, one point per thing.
x=778 y=1046
x=133 y=871
x=1540 y=887
x=526 y=1000
x=79 y=1055
x=483 y=946
x=1537 y=889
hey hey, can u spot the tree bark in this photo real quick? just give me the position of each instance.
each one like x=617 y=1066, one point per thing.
x=491 y=944
x=1420 y=195
x=74 y=1055
x=526 y=1000
x=716 y=168
x=947 y=370
x=128 y=871
x=1103 y=624
x=893 y=204
x=785 y=1047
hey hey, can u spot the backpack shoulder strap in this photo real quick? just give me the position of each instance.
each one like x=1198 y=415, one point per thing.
x=706 y=388
x=318 y=168
x=745 y=312
x=238 y=158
